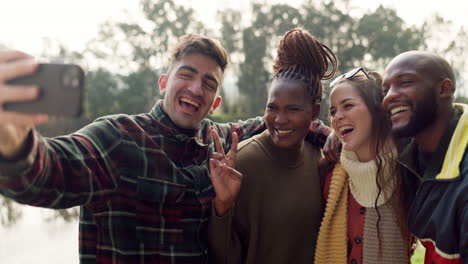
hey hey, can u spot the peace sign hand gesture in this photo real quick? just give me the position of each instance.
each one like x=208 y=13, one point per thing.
x=226 y=180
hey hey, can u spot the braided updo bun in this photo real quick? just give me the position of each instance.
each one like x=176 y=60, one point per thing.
x=300 y=56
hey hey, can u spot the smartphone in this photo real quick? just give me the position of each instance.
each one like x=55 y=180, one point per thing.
x=62 y=90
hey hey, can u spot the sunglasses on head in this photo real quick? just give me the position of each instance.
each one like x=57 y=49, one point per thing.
x=349 y=75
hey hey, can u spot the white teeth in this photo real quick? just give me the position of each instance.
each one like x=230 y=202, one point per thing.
x=398 y=109
x=284 y=131
x=343 y=128
x=188 y=101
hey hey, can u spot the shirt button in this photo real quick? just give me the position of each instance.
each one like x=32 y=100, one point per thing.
x=362 y=210
x=357 y=240
x=353 y=261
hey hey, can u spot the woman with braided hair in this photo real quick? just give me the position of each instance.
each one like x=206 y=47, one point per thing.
x=277 y=213
x=365 y=213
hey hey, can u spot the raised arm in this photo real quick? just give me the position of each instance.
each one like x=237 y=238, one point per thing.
x=65 y=171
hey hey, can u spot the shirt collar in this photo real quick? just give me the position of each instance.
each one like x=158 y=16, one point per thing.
x=169 y=128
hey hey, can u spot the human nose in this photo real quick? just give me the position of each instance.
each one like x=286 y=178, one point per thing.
x=390 y=95
x=196 y=87
x=281 y=118
x=338 y=115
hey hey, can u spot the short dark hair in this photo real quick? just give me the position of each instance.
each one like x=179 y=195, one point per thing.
x=192 y=43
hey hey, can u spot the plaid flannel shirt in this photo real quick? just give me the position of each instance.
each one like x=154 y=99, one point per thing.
x=143 y=184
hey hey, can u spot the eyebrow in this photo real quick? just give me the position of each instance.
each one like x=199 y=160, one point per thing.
x=194 y=70
x=345 y=100
x=406 y=74
x=189 y=68
x=342 y=102
x=295 y=105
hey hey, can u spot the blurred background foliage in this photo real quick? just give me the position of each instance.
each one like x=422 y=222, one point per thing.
x=124 y=61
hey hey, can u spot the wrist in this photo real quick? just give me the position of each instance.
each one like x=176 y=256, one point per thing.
x=222 y=207
x=17 y=150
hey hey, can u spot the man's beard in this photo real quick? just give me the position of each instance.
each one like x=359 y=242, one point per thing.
x=424 y=114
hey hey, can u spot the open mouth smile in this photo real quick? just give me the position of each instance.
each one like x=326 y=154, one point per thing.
x=189 y=104
x=346 y=130
x=398 y=109
x=283 y=131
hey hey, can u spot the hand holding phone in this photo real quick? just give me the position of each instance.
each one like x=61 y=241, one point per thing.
x=62 y=90
x=15 y=126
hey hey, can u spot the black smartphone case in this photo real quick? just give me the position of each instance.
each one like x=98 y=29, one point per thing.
x=62 y=90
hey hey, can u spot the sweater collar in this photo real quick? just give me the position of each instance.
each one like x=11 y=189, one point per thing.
x=363 y=178
x=290 y=158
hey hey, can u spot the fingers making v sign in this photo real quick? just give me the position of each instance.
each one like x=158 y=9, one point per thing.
x=226 y=180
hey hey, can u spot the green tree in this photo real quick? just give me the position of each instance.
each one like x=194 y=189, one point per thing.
x=334 y=28
x=102 y=94
x=231 y=40
x=370 y=40
x=253 y=77
x=140 y=47
x=133 y=96
x=384 y=34
x=258 y=43
x=441 y=38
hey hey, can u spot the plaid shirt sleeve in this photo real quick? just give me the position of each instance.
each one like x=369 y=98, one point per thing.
x=244 y=129
x=64 y=171
x=318 y=133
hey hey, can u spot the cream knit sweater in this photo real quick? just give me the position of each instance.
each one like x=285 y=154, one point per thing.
x=360 y=179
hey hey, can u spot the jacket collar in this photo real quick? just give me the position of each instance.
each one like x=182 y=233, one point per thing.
x=408 y=156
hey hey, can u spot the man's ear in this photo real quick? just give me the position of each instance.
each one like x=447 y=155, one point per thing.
x=162 y=84
x=446 y=88
x=216 y=103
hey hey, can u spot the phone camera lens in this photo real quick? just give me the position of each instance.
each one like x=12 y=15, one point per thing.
x=75 y=82
x=71 y=78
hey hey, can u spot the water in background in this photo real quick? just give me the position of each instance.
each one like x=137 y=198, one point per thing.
x=33 y=239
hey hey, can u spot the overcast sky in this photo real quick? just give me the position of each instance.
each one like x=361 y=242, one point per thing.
x=25 y=23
